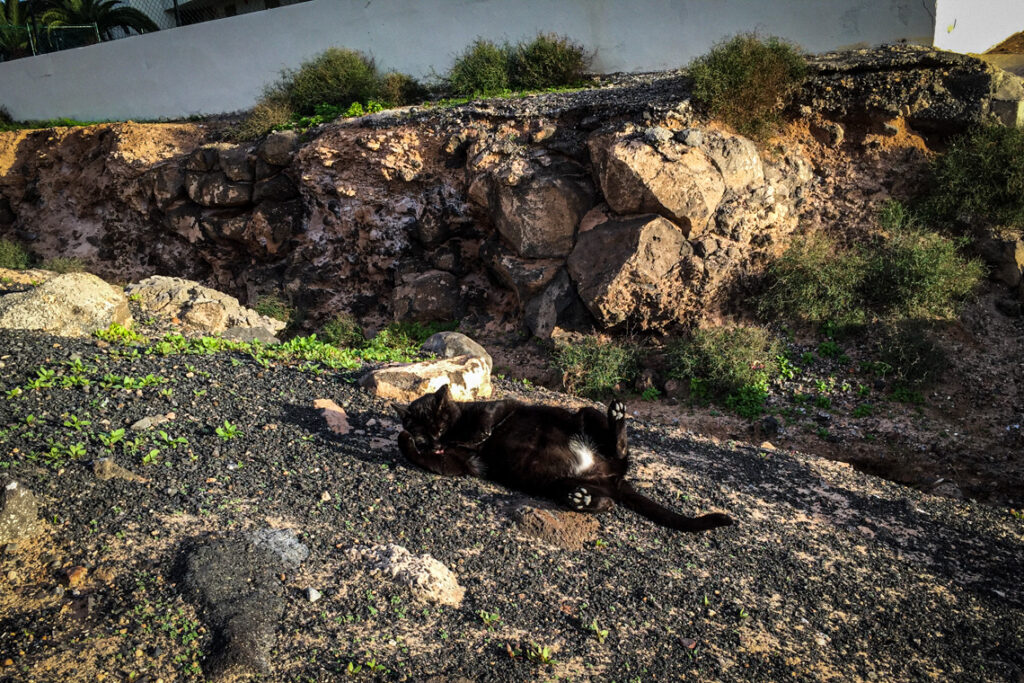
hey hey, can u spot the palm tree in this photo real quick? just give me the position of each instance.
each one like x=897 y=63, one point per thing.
x=106 y=14
x=13 y=33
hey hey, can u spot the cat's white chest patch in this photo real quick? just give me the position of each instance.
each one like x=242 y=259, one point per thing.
x=583 y=449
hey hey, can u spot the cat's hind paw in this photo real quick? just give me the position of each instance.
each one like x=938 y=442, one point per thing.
x=616 y=410
x=579 y=499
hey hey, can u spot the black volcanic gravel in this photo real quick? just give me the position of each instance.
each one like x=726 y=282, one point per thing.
x=829 y=574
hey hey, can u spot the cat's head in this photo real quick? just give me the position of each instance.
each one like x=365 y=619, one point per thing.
x=429 y=418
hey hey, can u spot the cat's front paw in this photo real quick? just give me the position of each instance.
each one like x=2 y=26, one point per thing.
x=579 y=499
x=616 y=410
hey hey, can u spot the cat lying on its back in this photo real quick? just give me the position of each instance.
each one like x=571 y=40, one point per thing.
x=579 y=459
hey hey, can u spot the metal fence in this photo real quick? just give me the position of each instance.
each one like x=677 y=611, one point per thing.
x=50 y=25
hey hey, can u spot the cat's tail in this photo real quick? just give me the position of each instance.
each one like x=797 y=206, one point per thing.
x=638 y=502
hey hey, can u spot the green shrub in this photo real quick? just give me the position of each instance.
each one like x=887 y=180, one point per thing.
x=909 y=272
x=269 y=113
x=908 y=353
x=6 y=120
x=13 y=255
x=343 y=330
x=336 y=76
x=64 y=265
x=815 y=282
x=917 y=273
x=592 y=367
x=726 y=361
x=398 y=90
x=980 y=178
x=547 y=61
x=481 y=70
x=273 y=306
x=746 y=81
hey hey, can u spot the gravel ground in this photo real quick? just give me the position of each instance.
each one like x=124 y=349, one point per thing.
x=829 y=574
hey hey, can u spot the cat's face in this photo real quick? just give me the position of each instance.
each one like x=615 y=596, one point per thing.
x=428 y=418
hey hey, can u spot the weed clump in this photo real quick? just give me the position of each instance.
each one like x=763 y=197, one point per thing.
x=594 y=368
x=398 y=90
x=980 y=179
x=547 y=61
x=906 y=272
x=343 y=331
x=481 y=70
x=64 y=264
x=746 y=81
x=270 y=113
x=337 y=77
x=733 y=364
x=908 y=354
x=273 y=306
x=13 y=255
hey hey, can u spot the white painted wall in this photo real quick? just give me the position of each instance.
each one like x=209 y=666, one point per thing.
x=223 y=65
x=976 y=25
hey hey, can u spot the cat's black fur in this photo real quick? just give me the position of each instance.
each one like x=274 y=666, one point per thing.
x=540 y=450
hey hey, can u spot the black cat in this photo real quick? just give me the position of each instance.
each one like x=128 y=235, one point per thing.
x=579 y=459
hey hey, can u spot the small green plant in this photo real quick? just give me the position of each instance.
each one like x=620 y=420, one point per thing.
x=746 y=81
x=540 y=654
x=227 y=432
x=13 y=255
x=786 y=368
x=904 y=394
x=864 y=410
x=112 y=438
x=118 y=334
x=601 y=633
x=650 y=394
x=342 y=330
x=273 y=306
x=490 y=619
x=62 y=264
x=75 y=423
x=592 y=367
x=829 y=349
x=152 y=457
x=748 y=401
x=727 y=360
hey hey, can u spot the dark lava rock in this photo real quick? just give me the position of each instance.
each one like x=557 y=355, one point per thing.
x=233 y=581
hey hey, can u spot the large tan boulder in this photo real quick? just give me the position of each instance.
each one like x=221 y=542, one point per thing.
x=536 y=205
x=69 y=305
x=468 y=379
x=198 y=308
x=679 y=182
x=631 y=268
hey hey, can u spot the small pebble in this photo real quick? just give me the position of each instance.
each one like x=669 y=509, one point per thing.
x=313 y=594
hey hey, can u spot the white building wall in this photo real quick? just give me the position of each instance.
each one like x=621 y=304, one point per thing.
x=976 y=25
x=223 y=65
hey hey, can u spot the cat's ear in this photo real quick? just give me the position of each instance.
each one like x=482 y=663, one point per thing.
x=442 y=397
x=401 y=411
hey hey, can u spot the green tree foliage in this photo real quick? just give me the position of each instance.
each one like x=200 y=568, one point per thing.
x=108 y=15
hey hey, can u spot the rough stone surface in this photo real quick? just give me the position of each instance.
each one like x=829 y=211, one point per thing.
x=106 y=469
x=676 y=181
x=468 y=378
x=282 y=544
x=426 y=578
x=631 y=269
x=935 y=90
x=525 y=277
x=537 y=205
x=69 y=305
x=544 y=312
x=562 y=528
x=424 y=297
x=19 y=516
x=199 y=308
x=450 y=344
x=1005 y=258
x=279 y=147
x=234 y=583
